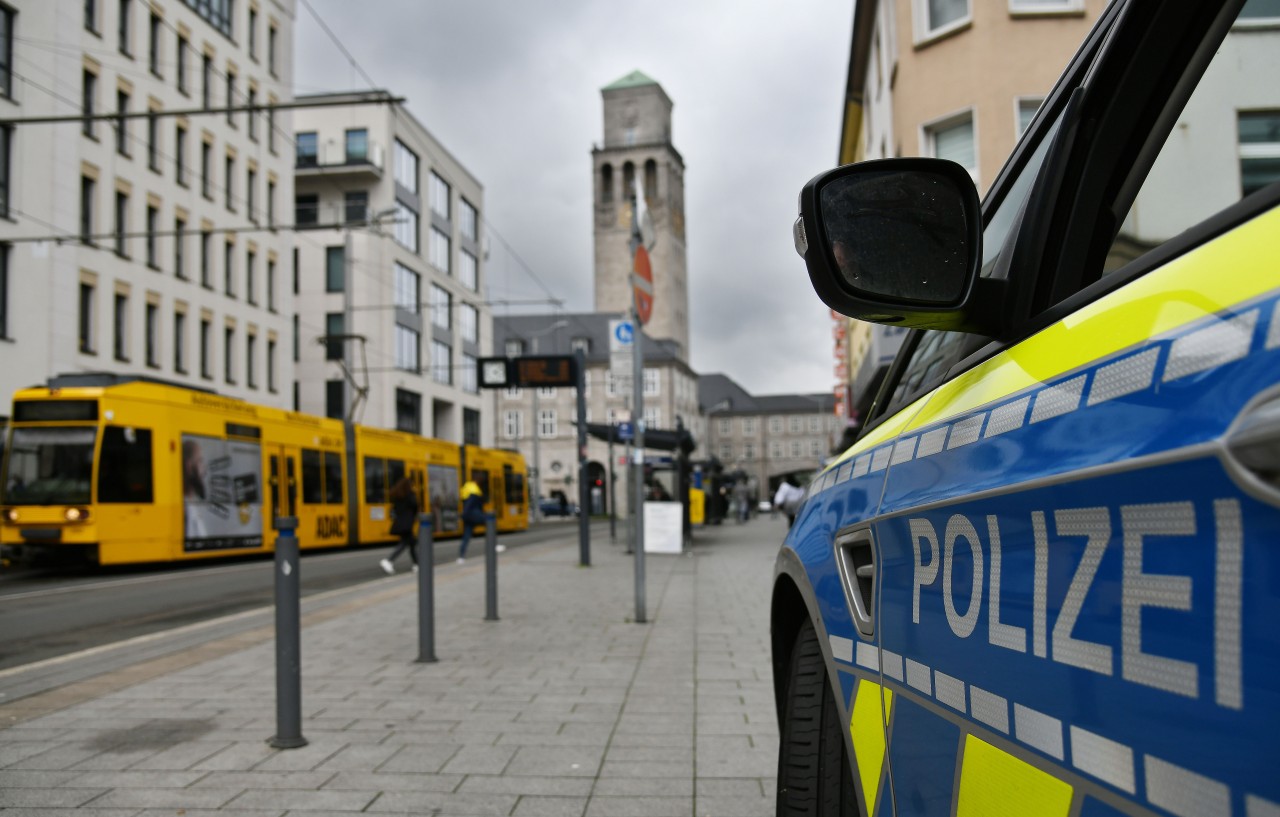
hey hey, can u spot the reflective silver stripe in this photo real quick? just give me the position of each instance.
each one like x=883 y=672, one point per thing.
x=868 y=658
x=860 y=466
x=1255 y=806
x=1057 y=400
x=880 y=458
x=1103 y=758
x=1184 y=793
x=1217 y=344
x=949 y=691
x=931 y=442
x=1008 y=417
x=966 y=431
x=1125 y=376
x=841 y=648
x=891 y=664
x=1273 y=332
x=1038 y=730
x=903 y=451
x=919 y=676
x=989 y=708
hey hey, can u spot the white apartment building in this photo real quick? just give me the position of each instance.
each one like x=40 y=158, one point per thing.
x=147 y=245
x=388 y=271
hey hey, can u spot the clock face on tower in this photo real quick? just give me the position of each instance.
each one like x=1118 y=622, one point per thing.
x=494 y=373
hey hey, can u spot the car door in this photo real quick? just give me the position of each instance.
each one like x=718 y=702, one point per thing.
x=1078 y=571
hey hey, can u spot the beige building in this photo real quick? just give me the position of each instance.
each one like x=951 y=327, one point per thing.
x=391 y=319
x=164 y=241
x=954 y=79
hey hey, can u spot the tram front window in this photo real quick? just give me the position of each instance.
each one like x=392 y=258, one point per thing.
x=49 y=466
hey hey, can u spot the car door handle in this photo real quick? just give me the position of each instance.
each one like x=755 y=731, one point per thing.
x=855 y=556
x=1253 y=444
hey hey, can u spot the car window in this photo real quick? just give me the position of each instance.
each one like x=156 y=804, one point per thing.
x=1224 y=146
x=930 y=358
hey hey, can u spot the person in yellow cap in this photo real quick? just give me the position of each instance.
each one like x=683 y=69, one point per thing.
x=472 y=515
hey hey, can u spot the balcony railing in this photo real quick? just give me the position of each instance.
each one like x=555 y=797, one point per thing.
x=334 y=159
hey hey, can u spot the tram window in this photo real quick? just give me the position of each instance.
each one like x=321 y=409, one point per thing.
x=124 y=470
x=332 y=478
x=481 y=478
x=312 y=477
x=515 y=488
x=395 y=471
x=375 y=480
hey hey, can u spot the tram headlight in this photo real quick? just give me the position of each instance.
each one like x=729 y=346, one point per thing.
x=11 y=515
x=76 y=514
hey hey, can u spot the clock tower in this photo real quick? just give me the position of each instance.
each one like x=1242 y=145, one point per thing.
x=638 y=155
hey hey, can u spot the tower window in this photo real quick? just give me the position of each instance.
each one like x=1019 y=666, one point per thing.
x=606 y=183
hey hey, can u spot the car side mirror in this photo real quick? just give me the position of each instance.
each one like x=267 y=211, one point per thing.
x=895 y=241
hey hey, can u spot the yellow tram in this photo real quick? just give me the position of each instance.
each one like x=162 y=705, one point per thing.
x=119 y=470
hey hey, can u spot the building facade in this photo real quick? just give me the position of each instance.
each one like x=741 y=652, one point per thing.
x=638 y=152
x=156 y=244
x=389 y=272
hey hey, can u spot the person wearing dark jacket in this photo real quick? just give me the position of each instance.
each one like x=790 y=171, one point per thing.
x=472 y=515
x=404 y=513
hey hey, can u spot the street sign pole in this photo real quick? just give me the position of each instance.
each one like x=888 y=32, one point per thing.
x=637 y=417
x=584 y=490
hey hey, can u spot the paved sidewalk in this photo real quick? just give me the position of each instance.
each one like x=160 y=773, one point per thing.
x=563 y=707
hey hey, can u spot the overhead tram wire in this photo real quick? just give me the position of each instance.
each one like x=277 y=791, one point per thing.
x=162 y=113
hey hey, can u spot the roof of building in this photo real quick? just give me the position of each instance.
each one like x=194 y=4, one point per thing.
x=594 y=326
x=721 y=394
x=633 y=80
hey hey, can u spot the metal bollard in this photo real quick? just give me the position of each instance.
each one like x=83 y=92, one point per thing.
x=288 y=638
x=426 y=589
x=490 y=567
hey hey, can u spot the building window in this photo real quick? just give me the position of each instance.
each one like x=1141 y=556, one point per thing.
x=467 y=266
x=86 y=323
x=581 y=345
x=726 y=452
x=334 y=399
x=231 y=98
x=652 y=383
x=775 y=425
x=514 y=348
x=469 y=323
x=406 y=227
x=87 y=191
x=406 y=167
x=252 y=116
x=797 y=449
x=546 y=423
x=953 y=138
x=439 y=249
x=335 y=265
x=1026 y=111
x=180 y=155
x=4 y=290
x=88 y=101
x=91 y=16
x=308 y=150
x=231 y=183
x=441 y=362
x=206 y=349
x=297 y=339
x=407 y=283
x=355 y=205
x=180 y=342
x=250 y=187
x=206 y=92
x=775 y=450
x=438 y=196
x=725 y=425
x=271 y=204
x=183 y=48
x=206 y=259
x=748 y=425
x=357 y=146
x=795 y=425
x=250 y=349
x=153 y=142
x=1045 y=6
x=228 y=354
x=250 y=267
x=652 y=418
x=815 y=448
x=512 y=424
x=272 y=35
x=408 y=346
x=153 y=335
x=153 y=53
x=271 y=284
x=122 y=124
x=467 y=219
x=122 y=223
x=252 y=34
x=408 y=411
x=306 y=210
x=206 y=170
x=748 y=451
x=229 y=270
x=271 y=365
x=126 y=10
x=120 y=327
x=470 y=376
x=180 y=248
x=6 y=141
x=153 y=226
x=441 y=307
x=815 y=425
x=937 y=17
x=1259 y=133
x=334 y=328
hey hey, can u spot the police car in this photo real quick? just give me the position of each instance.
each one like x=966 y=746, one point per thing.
x=1046 y=578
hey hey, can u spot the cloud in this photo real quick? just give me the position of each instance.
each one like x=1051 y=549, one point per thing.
x=513 y=92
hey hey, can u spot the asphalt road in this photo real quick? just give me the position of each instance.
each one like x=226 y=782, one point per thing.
x=45 y=613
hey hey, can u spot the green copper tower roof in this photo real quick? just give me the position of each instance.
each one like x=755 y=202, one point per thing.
x=633 y=80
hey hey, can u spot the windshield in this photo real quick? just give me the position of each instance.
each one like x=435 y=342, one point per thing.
x=49 y=466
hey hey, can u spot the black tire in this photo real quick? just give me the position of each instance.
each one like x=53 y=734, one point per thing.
x=815 y=777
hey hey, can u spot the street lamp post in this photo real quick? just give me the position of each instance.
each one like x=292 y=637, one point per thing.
x=537 y=460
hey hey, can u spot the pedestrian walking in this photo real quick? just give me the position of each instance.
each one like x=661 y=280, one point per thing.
x=788 y=499
x=404 y=513
x=472 y=515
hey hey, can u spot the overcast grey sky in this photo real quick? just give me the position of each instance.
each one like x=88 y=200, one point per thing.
x=512 y=90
